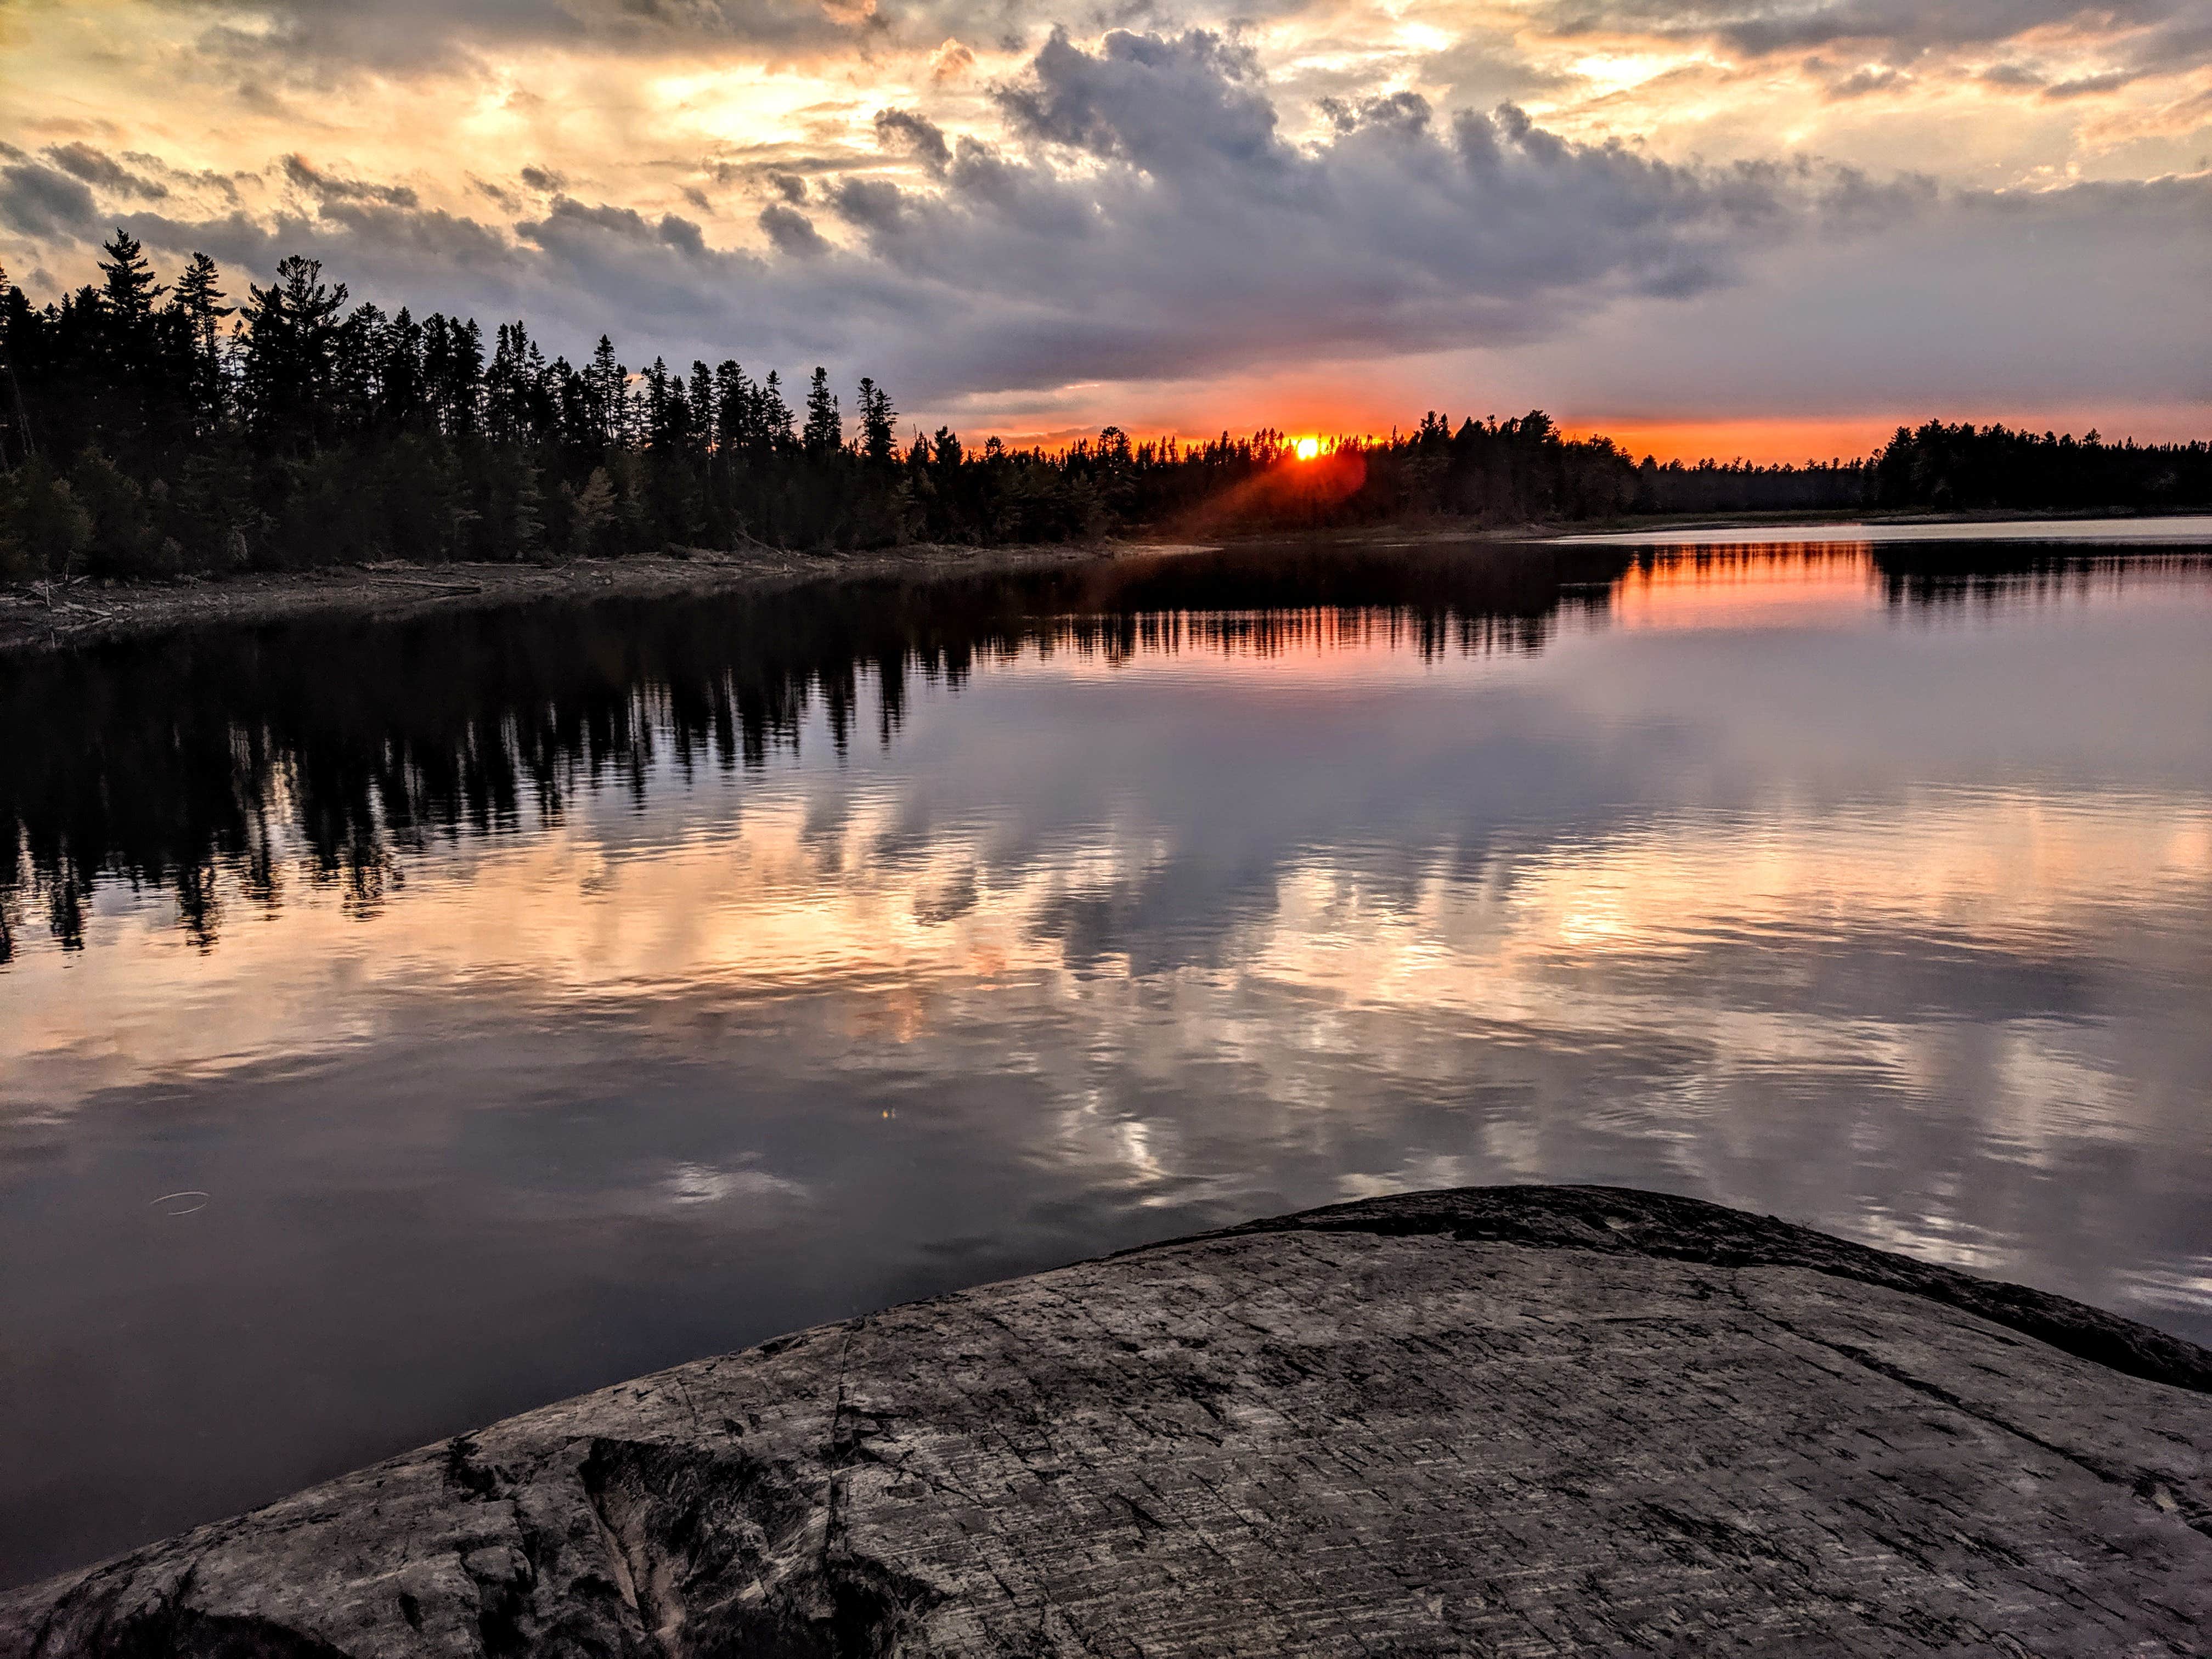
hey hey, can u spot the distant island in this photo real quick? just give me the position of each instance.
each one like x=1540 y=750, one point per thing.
x=143 y=435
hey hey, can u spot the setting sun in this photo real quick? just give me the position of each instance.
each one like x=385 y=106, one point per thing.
x=1306 y=448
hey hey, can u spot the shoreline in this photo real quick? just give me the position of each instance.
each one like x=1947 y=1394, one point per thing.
x=1567 y=1420
x=88 y=613
x=35 y=618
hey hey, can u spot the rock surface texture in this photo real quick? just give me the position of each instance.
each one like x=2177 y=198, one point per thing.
x=1501 y=1421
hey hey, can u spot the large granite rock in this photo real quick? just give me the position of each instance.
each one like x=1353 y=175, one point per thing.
x=1512 y=1420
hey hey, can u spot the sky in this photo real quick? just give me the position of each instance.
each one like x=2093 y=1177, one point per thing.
x=1772 y=229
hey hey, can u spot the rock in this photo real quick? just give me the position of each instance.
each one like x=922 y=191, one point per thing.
x=1508 y=1420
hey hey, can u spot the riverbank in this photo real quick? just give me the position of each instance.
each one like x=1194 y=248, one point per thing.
x=1541 y=1421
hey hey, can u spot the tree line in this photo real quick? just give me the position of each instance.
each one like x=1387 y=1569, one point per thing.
x=151 y=428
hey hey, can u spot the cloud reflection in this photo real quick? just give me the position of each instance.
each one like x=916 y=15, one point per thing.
x=1876 y=913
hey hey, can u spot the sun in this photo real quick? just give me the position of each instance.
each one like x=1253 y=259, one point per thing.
x=1306 y=448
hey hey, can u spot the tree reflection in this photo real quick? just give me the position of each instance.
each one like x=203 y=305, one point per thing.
x=219 y=765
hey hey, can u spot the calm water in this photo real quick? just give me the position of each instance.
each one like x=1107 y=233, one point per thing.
x=403 y=1026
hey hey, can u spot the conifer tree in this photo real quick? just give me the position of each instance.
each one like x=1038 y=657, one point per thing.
x=774 y=414
x=824 y=431
x=127 y=284
x=878 y=422
x=199 y=298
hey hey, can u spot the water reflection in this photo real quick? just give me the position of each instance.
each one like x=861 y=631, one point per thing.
x=181 y=764
x=540 y=999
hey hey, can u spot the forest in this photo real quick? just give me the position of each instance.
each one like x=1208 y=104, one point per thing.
x=151 y=429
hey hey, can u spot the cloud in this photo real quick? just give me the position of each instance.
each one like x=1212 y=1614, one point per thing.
x=1147 y=217
x=1872 y=78
x=1997 y=301
x=792 y=232
x=83 y=162
x=328 y=187
x=683 y=234
x=2085 y=85
x=1148 y=101
x=874 y=205
x=950 y=61
x=311 y=43
x=904 y=132
x=1759 y=27
x=44 y=204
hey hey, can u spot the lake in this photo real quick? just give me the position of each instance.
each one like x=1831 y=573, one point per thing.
x=405 y=1024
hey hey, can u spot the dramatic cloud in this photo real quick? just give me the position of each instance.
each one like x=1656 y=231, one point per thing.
x=1013 y=220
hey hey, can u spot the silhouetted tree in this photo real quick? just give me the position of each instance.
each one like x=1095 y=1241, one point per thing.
x=134 y=438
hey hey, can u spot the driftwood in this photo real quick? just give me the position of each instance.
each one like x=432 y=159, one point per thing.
x=436 y=587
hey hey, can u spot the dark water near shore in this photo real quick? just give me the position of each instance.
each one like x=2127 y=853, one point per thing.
x=404 y=1024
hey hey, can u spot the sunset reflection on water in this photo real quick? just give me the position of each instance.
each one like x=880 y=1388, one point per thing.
x=1763 y=878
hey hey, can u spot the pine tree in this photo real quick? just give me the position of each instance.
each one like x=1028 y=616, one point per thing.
x=702 y=402
x=824 y=431
x=774 y=414
x=127 y=284
x=199 y=300
x=878 y=422
x=609 y=382
x=291 y=327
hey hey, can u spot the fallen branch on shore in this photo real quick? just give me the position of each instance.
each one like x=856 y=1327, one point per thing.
x=436 y=587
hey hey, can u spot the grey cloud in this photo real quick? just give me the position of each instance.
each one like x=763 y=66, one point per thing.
x=1406 y=110
x=330 y=187
x=876 y=205
x=772 y=162
x=543 y=179
x=1767 y=25
x=568 y=217
x=85 y=162
x=1194 y=238
x=789 y=186
x=683 y=234
x=40 y=202
x=1862 y=82
x=792 y=232
x=904 y=132
x=2084 y=85
x=310 y=43
x=1156 y=102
